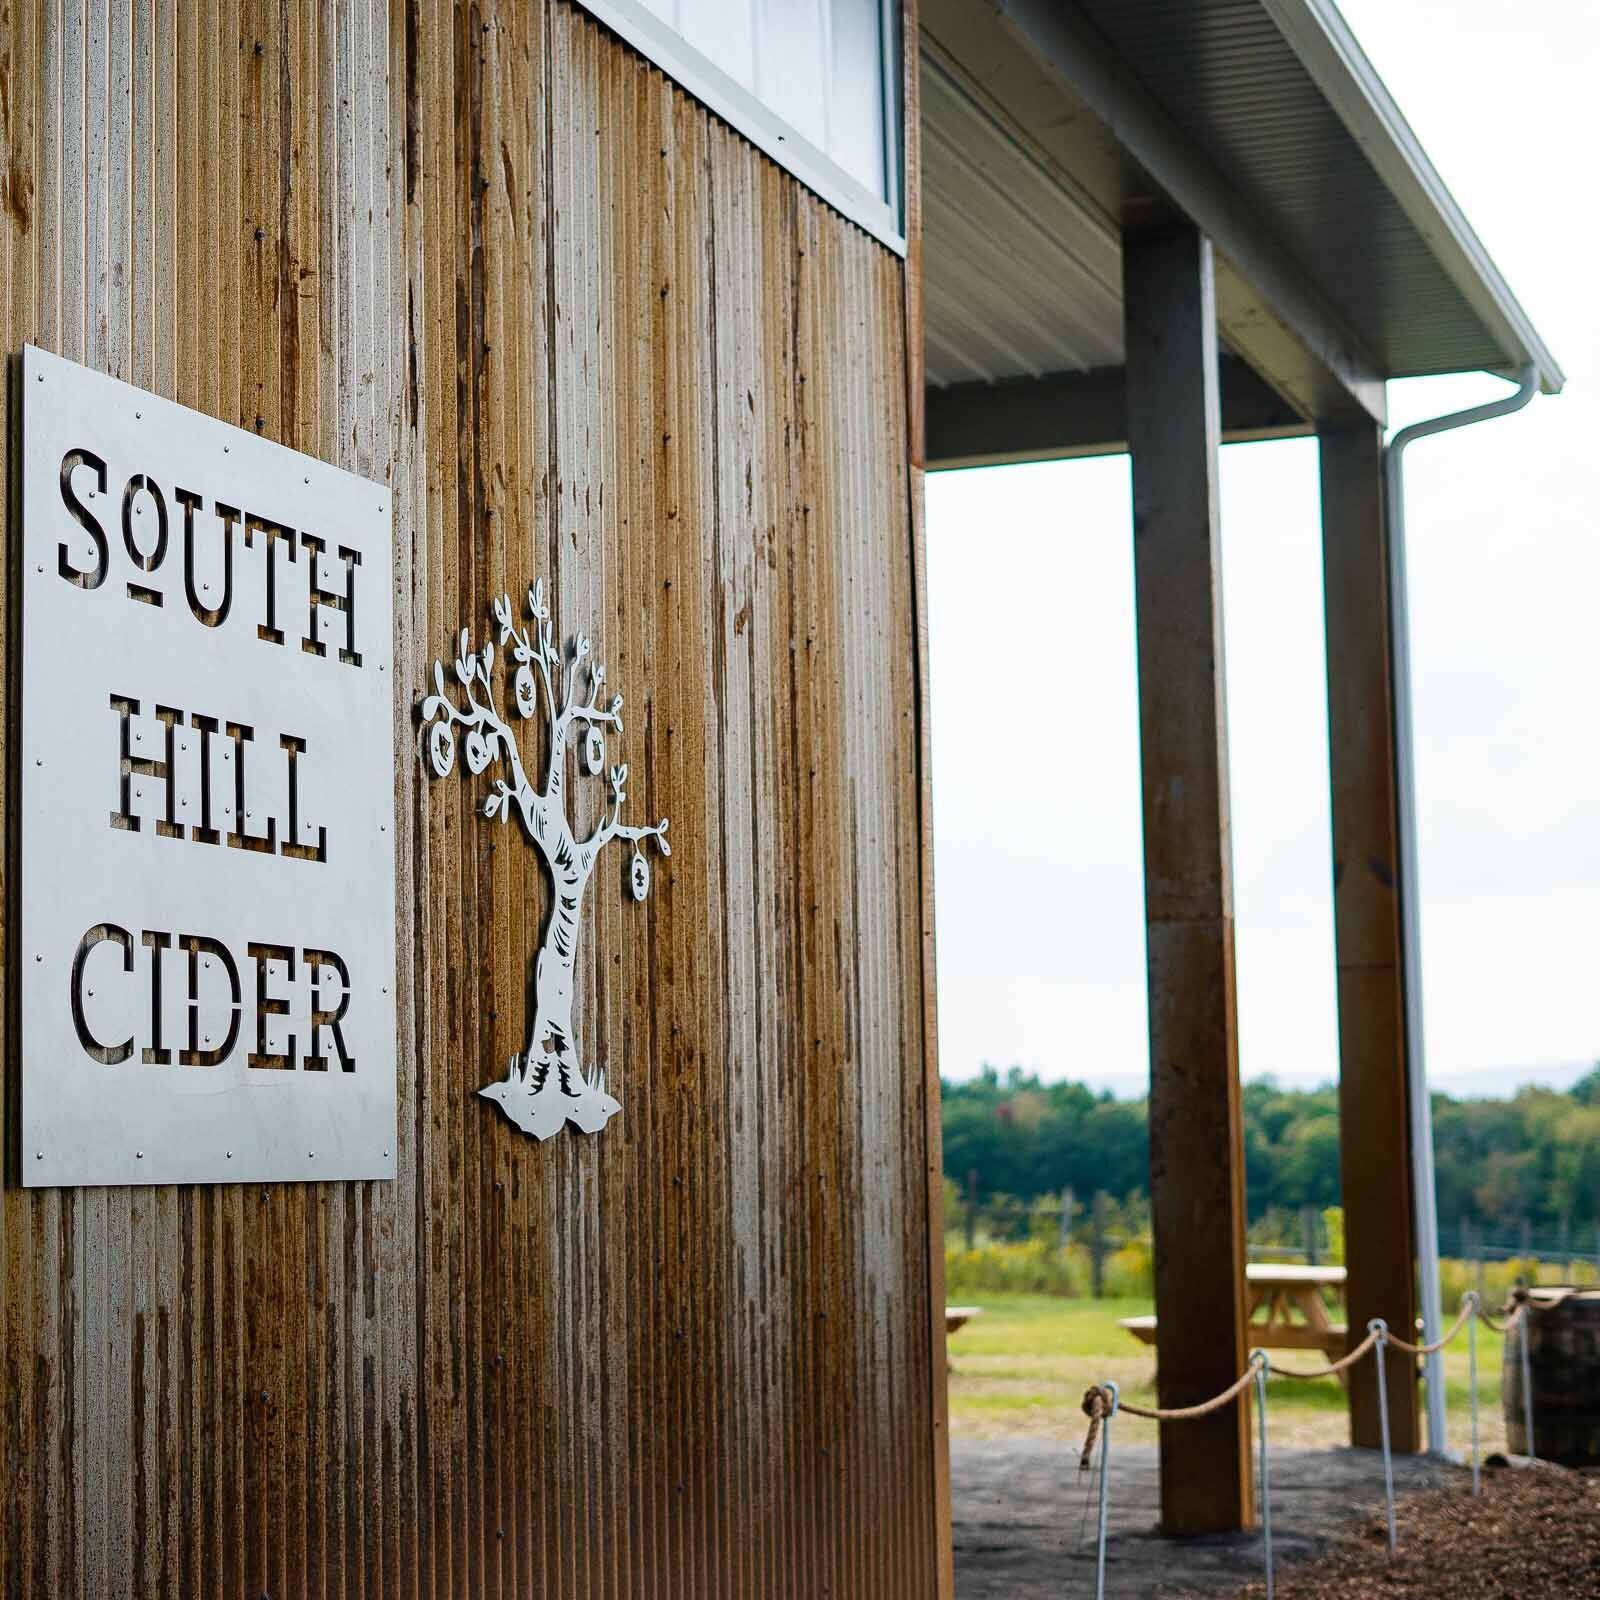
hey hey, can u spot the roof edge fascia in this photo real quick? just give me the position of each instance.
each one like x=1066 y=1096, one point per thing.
x=1331 y=54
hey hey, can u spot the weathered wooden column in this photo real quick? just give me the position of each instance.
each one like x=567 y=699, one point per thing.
x=1374 y=1146
x=1196 y=1146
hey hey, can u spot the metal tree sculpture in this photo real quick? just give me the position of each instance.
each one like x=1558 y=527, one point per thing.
x=546 y=1085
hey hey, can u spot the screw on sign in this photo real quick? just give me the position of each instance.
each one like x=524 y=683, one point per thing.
x=545 y=1084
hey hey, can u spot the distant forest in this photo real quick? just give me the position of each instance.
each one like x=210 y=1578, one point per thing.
x=1534 y=1158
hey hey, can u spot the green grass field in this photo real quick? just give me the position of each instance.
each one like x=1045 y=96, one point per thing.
x=1022 y=1366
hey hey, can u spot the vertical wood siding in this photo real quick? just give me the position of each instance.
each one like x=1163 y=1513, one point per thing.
x=490 y=256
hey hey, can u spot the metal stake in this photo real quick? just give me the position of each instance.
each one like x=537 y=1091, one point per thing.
x=1525 y=1323
x=1472 y=1384
x=1105 y=1464
x=1258 y=1359
x=1381 y=1328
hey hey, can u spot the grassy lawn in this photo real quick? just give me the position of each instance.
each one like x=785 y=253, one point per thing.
x=1021 y=1369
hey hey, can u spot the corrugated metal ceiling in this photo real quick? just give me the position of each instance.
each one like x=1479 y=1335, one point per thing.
x=1023 y=277
x=1018 y=279
x=1231 y=82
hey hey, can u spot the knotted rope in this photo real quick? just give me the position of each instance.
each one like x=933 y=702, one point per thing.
x=1096 y=1407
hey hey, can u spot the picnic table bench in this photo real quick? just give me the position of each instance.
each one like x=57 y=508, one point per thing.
x=1281 y=1291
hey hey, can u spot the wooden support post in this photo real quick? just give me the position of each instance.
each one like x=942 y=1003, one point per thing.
x=1196 y=1143
x=1374 y=1145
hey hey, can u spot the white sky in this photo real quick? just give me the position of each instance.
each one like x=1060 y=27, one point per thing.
x=1035 y=720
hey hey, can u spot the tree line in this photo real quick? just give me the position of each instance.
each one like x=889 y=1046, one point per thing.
x=1531 y=1159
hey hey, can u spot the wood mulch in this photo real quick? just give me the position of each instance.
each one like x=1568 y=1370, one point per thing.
x=1534 y=1532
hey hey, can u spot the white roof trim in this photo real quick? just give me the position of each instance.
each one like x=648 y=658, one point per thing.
x=1327 y=49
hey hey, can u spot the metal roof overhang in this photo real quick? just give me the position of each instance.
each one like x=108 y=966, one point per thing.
x=1049 y=128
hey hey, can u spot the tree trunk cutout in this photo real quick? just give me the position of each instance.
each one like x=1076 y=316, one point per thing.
x=545 y=1085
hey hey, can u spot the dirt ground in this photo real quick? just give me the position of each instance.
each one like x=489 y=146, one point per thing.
x=1533 y=1533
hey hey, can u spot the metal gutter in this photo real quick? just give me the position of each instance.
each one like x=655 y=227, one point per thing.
x=1327 y=49
x=1425 y=1208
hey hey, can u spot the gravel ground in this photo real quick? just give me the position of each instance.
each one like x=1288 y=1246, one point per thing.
x=1024 y=1525
x=1533 y=1533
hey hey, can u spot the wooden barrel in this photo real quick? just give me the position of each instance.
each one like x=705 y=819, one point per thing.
x=1563 y=1332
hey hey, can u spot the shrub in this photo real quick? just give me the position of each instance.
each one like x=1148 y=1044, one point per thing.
x=1333 y=1225
x=1501 y=1277
x=1130 y=1272
x=1032 y=1266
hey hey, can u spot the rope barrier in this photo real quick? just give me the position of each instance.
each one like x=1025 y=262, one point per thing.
x=1178 y=1413
x=1095 y=1408
x=1468 y=1301
x=1101 y=1402
x=1332 y=1370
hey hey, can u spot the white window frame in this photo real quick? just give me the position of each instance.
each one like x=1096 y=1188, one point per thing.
x=730 y=100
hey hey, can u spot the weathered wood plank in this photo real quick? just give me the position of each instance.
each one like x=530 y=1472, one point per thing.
x=1196 y=1146
x=923 y=1035
x=1374 y=1148
x=587 y=334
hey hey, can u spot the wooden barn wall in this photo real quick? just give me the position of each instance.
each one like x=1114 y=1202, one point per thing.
x=490 y=256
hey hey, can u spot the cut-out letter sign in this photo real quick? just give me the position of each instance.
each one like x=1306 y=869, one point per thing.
x=206 y=947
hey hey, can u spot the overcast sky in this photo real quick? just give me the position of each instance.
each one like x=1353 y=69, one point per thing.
x=1036 y=775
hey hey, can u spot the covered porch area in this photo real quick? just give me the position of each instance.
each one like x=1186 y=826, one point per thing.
x=1155 y=229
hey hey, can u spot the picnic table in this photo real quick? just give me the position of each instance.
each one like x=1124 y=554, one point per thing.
x=1283 y=1292
x=957 y=1317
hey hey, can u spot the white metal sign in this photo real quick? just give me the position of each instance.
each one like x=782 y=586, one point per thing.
x=207 y=926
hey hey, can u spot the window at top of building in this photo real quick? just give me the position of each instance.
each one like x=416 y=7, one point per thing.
x=813 y=83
